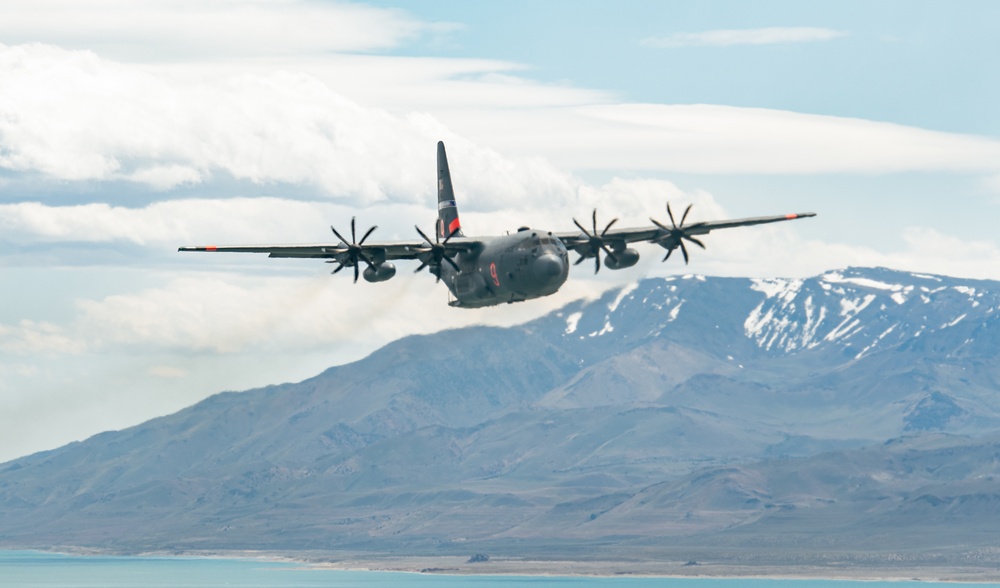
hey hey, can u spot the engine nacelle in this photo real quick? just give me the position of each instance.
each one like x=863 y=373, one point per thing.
x=379 y=273
x=626 y=258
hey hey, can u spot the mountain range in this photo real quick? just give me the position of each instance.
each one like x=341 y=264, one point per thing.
x=853 y=416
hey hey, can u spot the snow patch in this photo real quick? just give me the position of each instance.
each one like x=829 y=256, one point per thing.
x=784 y=289
x=675 y=311
x=863 y=282
x=628 y=289
x=954 y=322
x=572 y=321
x=876 y=341
x=850 y=308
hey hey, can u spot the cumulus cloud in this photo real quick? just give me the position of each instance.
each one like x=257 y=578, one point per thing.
x=163 y=226
x=225 y=313
x=171 y=29
x=71 y=115
x=730 y=37
x=75 y=116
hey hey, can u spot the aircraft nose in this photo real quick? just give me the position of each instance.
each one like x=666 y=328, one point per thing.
x=548 y=266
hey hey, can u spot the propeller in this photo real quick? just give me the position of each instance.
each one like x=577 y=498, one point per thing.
x=677 y=233
x=596 y=243
x=437 y=250
x=355 y=250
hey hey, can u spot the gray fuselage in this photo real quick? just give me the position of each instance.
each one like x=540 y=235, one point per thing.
x=520 y=266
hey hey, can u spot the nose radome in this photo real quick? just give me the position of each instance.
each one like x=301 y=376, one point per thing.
x=547 y=267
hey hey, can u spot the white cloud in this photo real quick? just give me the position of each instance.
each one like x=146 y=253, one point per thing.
x=167 y=224
x=726 y=139
x=30 y=337
x=730 y=37
x=200 y=29
x=786 y=250
x=74 y=116
x=164 y=226
x=224 y=313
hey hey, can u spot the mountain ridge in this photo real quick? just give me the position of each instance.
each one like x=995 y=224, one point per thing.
x=685 y=411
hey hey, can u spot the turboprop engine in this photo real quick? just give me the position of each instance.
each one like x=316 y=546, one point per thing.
x=379 y=273
x=622 y=259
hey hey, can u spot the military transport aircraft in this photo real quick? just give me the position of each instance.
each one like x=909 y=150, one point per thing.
x=485 y=271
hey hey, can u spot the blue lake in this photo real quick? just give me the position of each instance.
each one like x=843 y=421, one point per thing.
x=28 y=569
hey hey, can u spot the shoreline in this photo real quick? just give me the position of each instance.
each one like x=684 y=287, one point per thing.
x=514 y=566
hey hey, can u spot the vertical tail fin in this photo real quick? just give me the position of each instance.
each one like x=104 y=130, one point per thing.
x=448 y=223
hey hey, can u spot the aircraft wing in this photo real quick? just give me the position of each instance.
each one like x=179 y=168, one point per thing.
x=389 y=250
x=663 y=233
x=400 y=250
x=590 y=242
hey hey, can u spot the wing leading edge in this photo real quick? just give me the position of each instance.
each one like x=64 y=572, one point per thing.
x=389 y=250
x=651 y=233
x=613 y=241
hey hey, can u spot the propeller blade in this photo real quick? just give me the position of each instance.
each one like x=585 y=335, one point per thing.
x=451 y=262
x=423 y=264
x=356 y=273
x=595 y=222
x=367 y=234
x=354 y=236
x=339 y=267
x=686 y=211
x=613 y=221
x=579 y=261
x=597 y=263
x=581 y=227
x=695 y=241
x=339 y=236
x=659 y=224
x=674 y=237
x=364 y=258
x=609 y=252
x=425 y=237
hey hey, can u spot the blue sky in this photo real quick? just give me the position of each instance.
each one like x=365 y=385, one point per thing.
x=129 y=129
x=919 y=63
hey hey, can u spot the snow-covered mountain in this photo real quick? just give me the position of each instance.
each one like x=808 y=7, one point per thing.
x=681 y=411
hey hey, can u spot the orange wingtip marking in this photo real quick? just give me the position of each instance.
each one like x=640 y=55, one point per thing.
x=211 y=248
x=791 y=216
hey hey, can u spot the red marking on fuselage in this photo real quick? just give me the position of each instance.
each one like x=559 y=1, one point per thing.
x=493 y=273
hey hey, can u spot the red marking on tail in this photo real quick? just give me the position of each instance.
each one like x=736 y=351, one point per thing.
x=454 y=226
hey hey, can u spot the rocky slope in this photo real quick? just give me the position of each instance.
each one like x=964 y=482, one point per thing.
x=855 y=410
